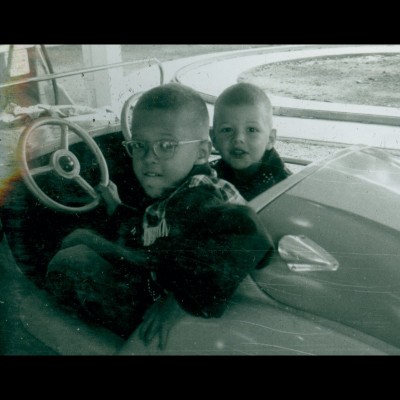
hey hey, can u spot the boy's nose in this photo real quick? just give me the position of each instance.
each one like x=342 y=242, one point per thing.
x=150 y=155
x=238 y=136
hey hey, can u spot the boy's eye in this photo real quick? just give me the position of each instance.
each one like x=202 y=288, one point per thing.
x=252 y=129
x=137 y=145
x=166 y=145
x=226 y=130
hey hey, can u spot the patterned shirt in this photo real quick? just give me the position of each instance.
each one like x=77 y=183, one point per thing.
x=154 y=222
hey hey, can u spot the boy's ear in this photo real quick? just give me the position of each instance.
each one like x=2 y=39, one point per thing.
x=204 y=152
x=272 y=139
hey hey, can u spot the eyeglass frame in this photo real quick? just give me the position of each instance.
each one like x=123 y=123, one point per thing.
x=125 y=143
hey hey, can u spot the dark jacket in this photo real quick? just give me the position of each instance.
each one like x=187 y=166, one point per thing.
x=211 y=247
x=272 y=170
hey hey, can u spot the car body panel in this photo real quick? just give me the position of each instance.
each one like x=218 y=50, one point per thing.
x=253 y=324
x=337 y=208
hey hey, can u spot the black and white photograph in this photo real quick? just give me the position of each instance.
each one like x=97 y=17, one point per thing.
x=199 y=199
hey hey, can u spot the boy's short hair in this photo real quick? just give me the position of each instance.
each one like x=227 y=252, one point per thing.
x=176 y=97
x=243 y=93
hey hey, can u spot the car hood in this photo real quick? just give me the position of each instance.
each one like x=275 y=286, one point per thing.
x=363 y=181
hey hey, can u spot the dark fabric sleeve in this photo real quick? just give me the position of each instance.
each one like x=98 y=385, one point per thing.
x=214 y=246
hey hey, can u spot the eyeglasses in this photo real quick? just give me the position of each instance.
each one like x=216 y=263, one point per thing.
x=163 y=149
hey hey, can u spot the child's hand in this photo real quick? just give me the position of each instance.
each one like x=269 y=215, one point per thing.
x=159 y=319
x=110 y=196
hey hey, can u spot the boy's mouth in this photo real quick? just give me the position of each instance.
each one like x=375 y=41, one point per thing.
x=238 y=152
x=152 y=174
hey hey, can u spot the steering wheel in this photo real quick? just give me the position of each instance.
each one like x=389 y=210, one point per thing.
x=63 y=162
x=126 y=115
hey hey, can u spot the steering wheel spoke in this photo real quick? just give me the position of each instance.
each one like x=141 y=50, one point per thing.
x=64 y=137
x=85 y=185
x=41 y=170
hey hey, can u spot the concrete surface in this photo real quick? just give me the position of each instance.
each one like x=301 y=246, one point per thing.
x=313 y=120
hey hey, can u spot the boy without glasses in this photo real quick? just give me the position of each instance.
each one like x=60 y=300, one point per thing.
x=243 y=134
x=187 y=251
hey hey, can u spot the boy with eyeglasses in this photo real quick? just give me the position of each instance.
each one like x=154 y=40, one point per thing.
x=188 y=251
